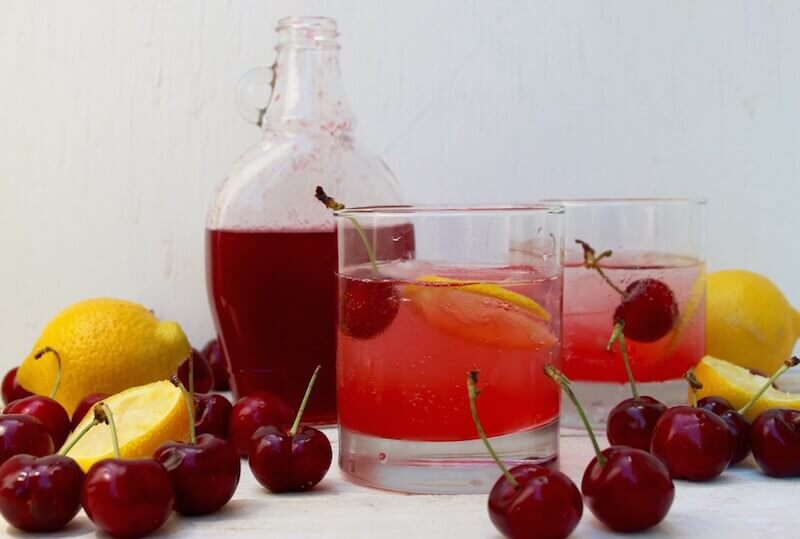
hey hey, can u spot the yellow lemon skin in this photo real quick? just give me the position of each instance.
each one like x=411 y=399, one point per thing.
x=145 y=417
x=106 y=346
x=749 y=321
x=738 y=385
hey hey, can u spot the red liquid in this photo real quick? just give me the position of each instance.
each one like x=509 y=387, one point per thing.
x=409 y=382
x=273 y=295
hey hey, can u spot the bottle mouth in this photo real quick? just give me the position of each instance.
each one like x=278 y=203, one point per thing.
x=313 y=32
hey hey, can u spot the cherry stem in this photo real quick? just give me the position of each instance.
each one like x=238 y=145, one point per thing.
x=191 y=374
x=472 y=392
x=788 y=364
x=618 y=336
x=103 y=414
x=591 y=261
x=564 y=382
x=302 y=408
x=188 y=397
x=57 y=383
x=694 y=385
x=66 y=449
x=333 y=204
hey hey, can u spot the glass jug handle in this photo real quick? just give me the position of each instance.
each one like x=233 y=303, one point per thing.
x=253 y=93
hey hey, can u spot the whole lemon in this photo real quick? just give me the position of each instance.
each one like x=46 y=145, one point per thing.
x=749 y=322
x=106 y=346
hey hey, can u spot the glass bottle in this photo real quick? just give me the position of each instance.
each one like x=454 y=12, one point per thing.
x=270 y=245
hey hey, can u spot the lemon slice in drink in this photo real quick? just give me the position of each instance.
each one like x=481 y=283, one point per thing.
x=738 y=385
x=482 y=312
x=145 y=416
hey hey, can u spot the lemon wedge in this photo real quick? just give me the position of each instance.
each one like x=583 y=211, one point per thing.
x=482 y=312
x=738 y=385
x=145 y=416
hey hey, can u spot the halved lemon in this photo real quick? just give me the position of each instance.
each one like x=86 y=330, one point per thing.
x=738 y=385
x=482 y=312
x=145 y=416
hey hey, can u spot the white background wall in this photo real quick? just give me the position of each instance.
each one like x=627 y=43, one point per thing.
x=117 y=119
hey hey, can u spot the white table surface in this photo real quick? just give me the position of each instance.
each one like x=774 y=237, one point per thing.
x=741 y=503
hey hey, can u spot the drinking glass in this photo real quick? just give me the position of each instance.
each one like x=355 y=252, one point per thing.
x=653 y=279
x=480 y=291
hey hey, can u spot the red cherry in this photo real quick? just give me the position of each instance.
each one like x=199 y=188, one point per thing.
x=40 y=494
x=740 y=428
x=256 y=410
x=631 y=422
x=213 y=414
x=368 y=305
x=219 y=365
x=21 y=433
x=630 y=492
x=203 y=377
x=775 y=439
x=49 y=412
x=205 y=474
x=12 y=390
x=694 y=443
x=544 y=503
x=648 y=310
x=737 y=424
x=715 y=404
x=127 y=498
x=284 y=462
x=85 y=406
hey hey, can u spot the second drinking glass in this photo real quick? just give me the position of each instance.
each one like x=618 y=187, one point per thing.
x=481 y=290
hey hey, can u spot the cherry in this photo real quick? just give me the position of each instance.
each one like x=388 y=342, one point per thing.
x=631 y=422
x=45 y=409
x=648 y=310
x=739 y=427
x=205 y=472
x=627 y=489
x=292 y=458
x=213 y=414
x=528 y=500
x=41 y=494
x=126 y=497
x=253 y=411
x=49 y=412
x=775 y=439
x=203 y=379
x=715 y=404
x=12 y=390
x=369 y=302
x=22 y=433
x=85 y=406
x=694 y=443
x=219 y=366
x=368 y=306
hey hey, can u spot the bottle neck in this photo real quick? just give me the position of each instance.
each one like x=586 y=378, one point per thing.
x=307 y=89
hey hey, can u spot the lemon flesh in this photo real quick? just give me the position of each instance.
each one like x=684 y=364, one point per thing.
x=145 y=417
x=749 y=321
x=106 y=346
x=738 y=385
x=484 y=313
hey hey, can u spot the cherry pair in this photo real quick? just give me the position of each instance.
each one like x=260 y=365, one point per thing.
x=210 y=369
x=204 y=472
x=290 y=458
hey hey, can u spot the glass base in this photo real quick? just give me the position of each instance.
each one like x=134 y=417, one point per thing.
x=462 y=467
x=598 y=398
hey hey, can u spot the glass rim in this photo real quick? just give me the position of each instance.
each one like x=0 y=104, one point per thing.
x=451 y=210
x=625 y=201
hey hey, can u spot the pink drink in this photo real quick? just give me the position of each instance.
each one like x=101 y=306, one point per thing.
x=589 y=304
x=409 y=381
